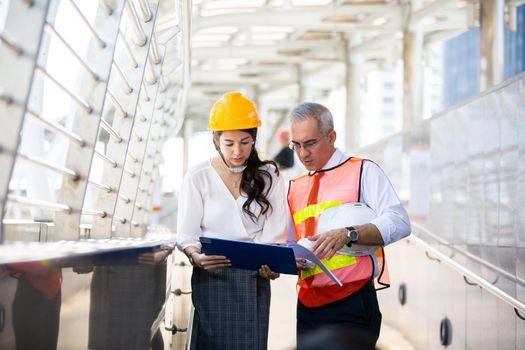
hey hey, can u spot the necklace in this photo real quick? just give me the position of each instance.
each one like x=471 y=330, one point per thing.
x=236 y=182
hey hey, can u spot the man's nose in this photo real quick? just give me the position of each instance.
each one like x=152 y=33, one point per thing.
x=301 y=152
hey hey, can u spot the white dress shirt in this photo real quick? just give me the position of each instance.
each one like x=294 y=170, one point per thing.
x=207 y=208
x=377 y=192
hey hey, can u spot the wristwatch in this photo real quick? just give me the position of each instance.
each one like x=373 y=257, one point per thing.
x=351 y=235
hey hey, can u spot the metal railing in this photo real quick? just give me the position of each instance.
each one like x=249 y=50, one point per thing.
x=474 y=278
x=114 y=114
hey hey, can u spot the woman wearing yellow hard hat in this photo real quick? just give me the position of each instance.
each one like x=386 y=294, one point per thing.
x=235 y=196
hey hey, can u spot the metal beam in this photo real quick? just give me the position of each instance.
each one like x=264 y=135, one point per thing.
x=306 y=18
x=17 y=64
x=284 y=53
x=491 y=65
x=86 y=124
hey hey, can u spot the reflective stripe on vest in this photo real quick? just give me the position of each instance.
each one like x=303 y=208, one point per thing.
x=314 y=210
x=336 y=262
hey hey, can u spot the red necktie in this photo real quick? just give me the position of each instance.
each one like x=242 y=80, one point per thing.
x=309 y=224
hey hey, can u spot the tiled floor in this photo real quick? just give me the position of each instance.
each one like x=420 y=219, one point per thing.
x=282 y=320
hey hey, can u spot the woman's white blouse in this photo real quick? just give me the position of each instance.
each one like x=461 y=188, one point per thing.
x=207 y=208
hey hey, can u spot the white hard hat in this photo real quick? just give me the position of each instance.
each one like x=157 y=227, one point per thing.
x=345 y=215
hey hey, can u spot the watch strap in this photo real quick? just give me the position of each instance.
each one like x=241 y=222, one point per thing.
x=349 y=229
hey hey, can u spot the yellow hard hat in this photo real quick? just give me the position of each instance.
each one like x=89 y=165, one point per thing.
x=233 y=112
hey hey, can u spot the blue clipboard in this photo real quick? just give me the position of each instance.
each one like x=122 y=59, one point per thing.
x=250 y=256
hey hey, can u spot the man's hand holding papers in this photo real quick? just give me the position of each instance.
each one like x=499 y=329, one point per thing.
x=306 y=259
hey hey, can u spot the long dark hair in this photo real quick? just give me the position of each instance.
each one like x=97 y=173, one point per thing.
x=253 y=179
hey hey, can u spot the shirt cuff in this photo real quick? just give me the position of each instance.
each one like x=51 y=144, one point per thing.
x=386 y=228
x=183 y=246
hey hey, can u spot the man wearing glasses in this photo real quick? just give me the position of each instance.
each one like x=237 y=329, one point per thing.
x=333 y=180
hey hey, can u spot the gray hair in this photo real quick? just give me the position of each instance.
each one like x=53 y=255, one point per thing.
x=320 y=113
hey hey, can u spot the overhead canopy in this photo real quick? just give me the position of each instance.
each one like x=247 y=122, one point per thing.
x=261 y=44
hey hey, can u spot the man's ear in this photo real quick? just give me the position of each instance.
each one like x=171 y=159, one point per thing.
x=332 y=136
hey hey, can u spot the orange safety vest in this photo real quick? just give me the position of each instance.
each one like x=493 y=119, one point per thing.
x=337 y=185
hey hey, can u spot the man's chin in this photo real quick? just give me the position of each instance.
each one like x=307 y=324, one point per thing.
x=309 y=166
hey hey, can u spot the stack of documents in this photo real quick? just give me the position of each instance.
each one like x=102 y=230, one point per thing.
x=251 y=256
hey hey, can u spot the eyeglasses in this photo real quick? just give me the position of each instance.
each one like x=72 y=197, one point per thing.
x=308 y=145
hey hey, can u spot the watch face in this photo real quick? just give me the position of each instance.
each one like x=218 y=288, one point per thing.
x=352 y=234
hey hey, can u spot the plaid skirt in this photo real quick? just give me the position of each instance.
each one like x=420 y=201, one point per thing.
x=232 y=309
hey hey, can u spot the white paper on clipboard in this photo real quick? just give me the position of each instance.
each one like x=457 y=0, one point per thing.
x=301 y=252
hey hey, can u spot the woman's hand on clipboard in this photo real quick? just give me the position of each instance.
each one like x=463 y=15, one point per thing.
x=265 y=272
x=209 y=262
